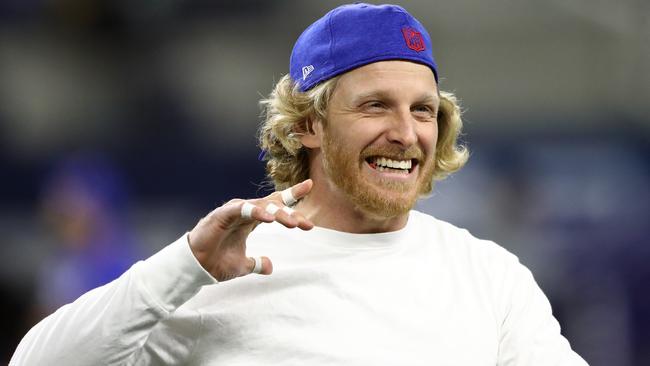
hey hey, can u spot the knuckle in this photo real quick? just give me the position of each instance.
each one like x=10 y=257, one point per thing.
x=234 y=201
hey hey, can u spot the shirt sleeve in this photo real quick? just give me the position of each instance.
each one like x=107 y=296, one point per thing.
x=109 y=324
x=530 y=335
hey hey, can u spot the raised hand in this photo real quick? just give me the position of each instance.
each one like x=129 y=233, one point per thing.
x=218 y=240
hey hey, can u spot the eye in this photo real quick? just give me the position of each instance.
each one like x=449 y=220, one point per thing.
x=373 y=106
x=425 y=111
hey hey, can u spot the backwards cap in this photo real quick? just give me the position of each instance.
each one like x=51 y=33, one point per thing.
x=354 y=35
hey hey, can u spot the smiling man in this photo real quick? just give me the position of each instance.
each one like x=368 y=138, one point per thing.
x=353 y=136
x=374 y=150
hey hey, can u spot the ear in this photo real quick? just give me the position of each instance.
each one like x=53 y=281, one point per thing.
x=313 y=135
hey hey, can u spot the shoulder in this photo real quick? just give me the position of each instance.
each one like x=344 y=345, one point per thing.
x=449 y=233
x=480 y=261
x=458 y=242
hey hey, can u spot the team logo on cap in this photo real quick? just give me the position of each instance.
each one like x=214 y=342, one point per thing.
x=413 y=39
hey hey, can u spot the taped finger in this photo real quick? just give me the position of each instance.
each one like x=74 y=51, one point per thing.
x=272 y=209
x=288 y=210
x=258 y=265
x=288 y=198
x=247 y=210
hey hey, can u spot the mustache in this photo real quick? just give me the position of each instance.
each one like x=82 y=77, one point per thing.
x=393 y=152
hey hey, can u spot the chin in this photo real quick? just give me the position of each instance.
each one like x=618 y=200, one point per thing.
x=382 y=203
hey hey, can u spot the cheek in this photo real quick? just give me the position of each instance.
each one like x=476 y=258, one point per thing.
x=356 y=137
x=428 y=136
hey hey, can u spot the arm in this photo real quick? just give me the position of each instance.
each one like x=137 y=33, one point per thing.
x=530 y=335
x=109 y=324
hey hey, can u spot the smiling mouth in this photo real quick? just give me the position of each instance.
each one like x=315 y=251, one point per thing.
x=384 y=164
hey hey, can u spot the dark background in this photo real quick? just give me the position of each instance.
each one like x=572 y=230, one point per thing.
x=155 y=103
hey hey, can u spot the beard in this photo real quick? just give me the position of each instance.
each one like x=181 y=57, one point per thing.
x=384 y=198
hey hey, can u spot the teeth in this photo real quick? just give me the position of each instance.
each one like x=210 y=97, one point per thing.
x=394 y=164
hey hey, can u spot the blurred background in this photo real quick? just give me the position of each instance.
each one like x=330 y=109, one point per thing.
x=123 y=122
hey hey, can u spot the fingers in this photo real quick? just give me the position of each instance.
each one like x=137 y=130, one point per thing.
x=260 y=265
x=288 y=210
x=247 y=210
x=289 y=197
x=303 y=222
x=218 y=240
x=283 y=215
x=293 y=194
x=271 y=209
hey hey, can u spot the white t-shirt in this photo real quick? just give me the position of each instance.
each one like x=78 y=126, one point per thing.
x=428 y=294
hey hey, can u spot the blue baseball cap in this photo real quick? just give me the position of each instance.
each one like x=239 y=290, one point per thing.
x=354 y=35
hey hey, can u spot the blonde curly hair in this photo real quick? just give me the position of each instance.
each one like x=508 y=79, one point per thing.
x=287 y=111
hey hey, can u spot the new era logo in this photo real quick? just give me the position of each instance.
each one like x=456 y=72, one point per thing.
x=413 y=39
x=306 y=71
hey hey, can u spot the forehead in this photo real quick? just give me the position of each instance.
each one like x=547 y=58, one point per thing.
x=402 y=77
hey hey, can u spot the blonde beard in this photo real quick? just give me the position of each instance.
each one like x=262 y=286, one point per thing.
x=342 y=167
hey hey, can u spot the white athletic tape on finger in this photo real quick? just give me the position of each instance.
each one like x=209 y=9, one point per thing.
x=272 y=209
x=247 y=210
x=288 y=210
x=258 y=265
x=288 y=198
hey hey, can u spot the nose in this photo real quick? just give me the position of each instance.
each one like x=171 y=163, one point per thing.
x=402 y=129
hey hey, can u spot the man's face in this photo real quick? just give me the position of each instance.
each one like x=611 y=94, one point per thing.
x=378 y=143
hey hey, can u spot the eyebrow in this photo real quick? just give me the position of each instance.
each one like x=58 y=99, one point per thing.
x=379 y=94
x=429 y=98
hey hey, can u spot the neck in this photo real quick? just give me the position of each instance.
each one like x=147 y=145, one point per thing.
x=329 y=208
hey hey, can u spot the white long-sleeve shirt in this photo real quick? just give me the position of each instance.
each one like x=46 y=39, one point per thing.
x=428 y=294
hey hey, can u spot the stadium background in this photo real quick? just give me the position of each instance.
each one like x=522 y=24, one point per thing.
x=140 y=116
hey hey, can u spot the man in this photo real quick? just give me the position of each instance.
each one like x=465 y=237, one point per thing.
x=354 y=135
